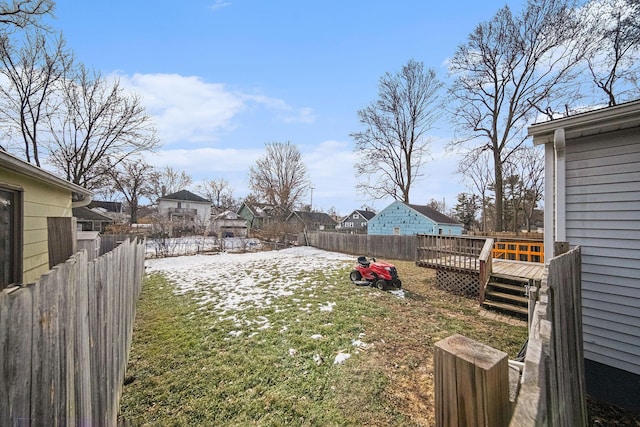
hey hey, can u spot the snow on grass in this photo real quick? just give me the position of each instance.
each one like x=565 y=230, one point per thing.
x=230 y=284
x=241 y=289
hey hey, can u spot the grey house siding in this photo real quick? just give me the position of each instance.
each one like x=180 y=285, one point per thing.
x=603 y=217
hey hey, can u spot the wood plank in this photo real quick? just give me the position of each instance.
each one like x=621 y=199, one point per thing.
x=15 y=352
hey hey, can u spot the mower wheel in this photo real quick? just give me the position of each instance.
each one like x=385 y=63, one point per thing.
x=381 y=284
x=355 y=276
x=398 y=284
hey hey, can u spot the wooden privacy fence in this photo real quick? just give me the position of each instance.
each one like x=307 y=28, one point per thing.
x=389 y=247
x=65 y=340
x=553 y=391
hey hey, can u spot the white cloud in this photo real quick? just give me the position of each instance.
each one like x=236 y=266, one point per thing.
x=219 y=4
x=189 y=110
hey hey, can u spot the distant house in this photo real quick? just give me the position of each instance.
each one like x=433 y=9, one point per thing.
x=404 y=219
x=90 y=220
x=257 y=215
x=114 y=210
x=229 y=224
x=310 y=221
x=37 y=230
x=185 y=211
x=592 y=199
x=356 y=221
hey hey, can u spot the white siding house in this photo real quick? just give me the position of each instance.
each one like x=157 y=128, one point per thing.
x=592 y=199
x=185 y=211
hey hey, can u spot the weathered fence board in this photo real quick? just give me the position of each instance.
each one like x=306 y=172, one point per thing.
x=553 y=385
x=65 y=340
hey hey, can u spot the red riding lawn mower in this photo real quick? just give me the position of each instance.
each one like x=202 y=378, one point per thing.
x=379 y=274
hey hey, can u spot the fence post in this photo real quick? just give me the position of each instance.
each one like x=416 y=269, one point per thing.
x=471 y=383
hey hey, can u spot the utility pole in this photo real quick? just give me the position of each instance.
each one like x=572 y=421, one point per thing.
x=312 y=187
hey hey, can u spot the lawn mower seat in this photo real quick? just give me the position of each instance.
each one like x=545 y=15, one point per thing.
x=362 y=260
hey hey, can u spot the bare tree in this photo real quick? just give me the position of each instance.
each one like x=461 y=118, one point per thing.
x=24 y=13
x=98 y=125
x=130 y=178
x=510 y=69
x=220 y=193
x=33 y=74
x=166 y=181
x=280 y=177
x=475 y=168
x=394 y=143
x=440 y=206
x=529 y=167
x=611 y=34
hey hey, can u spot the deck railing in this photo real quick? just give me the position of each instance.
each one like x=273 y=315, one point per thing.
x=454 y=252
x=514 y=250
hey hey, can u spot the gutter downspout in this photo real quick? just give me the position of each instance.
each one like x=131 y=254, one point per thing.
x=549 y=201
x=560 y=186
x=86 y=199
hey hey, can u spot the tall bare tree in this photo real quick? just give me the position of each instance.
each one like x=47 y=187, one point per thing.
x=98 y=125
x=130 y=177
x=394 y=143
x=509 y=70
x=166 y=181
x=220 y=193
x=280 y=177
x=34 y=73
x=611 y=34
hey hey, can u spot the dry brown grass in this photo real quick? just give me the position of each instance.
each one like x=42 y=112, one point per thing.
x=405 y=340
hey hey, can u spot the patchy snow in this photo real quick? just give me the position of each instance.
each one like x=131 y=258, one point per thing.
x=397 y=292
x=229 y=284
x=340 y=358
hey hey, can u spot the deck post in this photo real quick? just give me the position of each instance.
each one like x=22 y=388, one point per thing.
x=471 y=384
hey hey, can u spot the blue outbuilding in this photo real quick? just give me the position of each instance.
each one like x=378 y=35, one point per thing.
x=404 y=219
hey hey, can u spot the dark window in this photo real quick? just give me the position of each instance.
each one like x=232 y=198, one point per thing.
x=10 y=237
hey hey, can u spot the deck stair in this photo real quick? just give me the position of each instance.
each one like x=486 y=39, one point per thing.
x=507 y=294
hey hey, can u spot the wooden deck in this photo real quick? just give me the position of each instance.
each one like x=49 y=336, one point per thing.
x=528 y=270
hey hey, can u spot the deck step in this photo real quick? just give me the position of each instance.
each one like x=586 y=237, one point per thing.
x=507 y=297
x=506 y=307
x=510 y=279
x=507 y=286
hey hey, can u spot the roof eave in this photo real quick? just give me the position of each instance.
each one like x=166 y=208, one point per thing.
x=594 y=122
x=82 y=195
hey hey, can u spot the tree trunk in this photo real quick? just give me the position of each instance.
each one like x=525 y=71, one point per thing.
x=499 y=190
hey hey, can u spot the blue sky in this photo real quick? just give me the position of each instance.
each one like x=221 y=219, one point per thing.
x=222 y=78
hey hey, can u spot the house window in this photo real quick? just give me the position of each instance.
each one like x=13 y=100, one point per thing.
x=396 y=231
x=179 y=205
x=10 y=237
x=355 y=216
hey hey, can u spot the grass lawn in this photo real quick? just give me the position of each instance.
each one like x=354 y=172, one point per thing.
x=193 y=363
